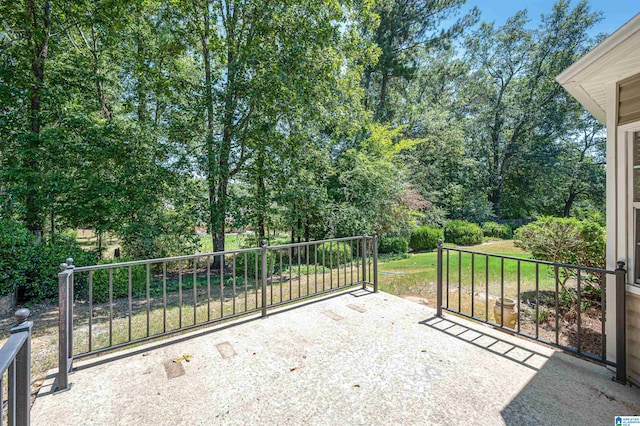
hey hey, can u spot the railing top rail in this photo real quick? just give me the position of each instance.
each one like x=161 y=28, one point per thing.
x=162 y=259
x=9 y=351
x=217 y=253
x=308 y=243
x=541 y=262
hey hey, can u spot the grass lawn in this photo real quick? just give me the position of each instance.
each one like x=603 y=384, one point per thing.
x=416 y=276
x=234 y=241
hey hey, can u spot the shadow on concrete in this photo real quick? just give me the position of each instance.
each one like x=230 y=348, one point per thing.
x=516 y=353
x=563 y=386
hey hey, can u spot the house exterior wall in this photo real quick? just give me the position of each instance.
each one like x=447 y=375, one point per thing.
x=621 y=212
x=633 y=336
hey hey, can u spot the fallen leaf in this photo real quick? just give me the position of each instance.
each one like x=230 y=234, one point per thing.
x=254 y=353
x=356 y=385
x=145 y=354
x=292 y=369
x=187 y=357
x=177 y=360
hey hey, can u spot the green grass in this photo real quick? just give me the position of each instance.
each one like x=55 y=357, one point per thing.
x=235 y=241
x=417 y=275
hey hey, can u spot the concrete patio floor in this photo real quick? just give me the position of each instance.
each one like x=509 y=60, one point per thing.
x=354 y=358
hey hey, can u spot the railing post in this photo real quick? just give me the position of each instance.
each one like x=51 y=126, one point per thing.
x=364 y=260
x=70 y=308
x=23 y=369
x=439 y=281
x=263 y=252
x=375 y=262
x=63 y=331
x=621 y=335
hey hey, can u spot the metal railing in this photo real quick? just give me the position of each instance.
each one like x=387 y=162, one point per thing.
x=15 y=360
x=554 y=303
x=104 y=307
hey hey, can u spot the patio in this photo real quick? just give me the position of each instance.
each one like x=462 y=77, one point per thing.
x=351 y=358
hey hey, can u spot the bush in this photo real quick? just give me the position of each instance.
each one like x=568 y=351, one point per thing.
x=338 y=252
x=570 y=241
x=425 y=238
x=564 y=240
x=120 y=282
x=496 y=230
x=462 y=233
x=34 y=266
x=15 y=247
x=396 y=245
x=273 y=258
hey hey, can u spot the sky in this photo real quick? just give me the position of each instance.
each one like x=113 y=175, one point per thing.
x=616 y=12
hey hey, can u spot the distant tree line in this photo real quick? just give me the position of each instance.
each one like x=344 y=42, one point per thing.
x=146 y=119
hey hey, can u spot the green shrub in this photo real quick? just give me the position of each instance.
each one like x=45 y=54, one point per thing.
x=15 y=246
x=569 y=241
x=392 y=245
x=425 y=238
x=564 y=240
x=120 y=282
x=462 y=233
x=496 y=230
x=34 y=266
x=273 y=262
x=337 y=252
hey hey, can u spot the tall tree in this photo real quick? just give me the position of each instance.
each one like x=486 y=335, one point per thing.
x=512 y=90
x=406 y=28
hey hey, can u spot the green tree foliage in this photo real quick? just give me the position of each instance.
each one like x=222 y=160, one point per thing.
x=146 y=119
x=512 y=94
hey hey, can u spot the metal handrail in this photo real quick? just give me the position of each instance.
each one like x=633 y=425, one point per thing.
x=228 y=285
x=164 y=259
x=524 y=259
x=15 y=359
x=444 y=270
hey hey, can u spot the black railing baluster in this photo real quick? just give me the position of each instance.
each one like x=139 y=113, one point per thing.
x=195 y=290
x=129 y=287
x=459 y=281
x=579 y=331
x=90 y=315
x=179 y=294
x=246 y=265
x=473 y=275
x=448 y=278
x=110 y=306
x=518 y=299
x=148 y=299
x=557 y=300
x=537 y=300
x=486 y=288
x=164 y=297
x=501 y=291
x=233 y=269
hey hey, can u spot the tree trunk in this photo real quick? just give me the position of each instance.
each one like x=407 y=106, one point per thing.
x=52 y=218
x=568 y=204
x=37 y=36
x=382 y=105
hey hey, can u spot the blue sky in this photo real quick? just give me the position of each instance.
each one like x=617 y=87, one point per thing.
x=616 y=12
